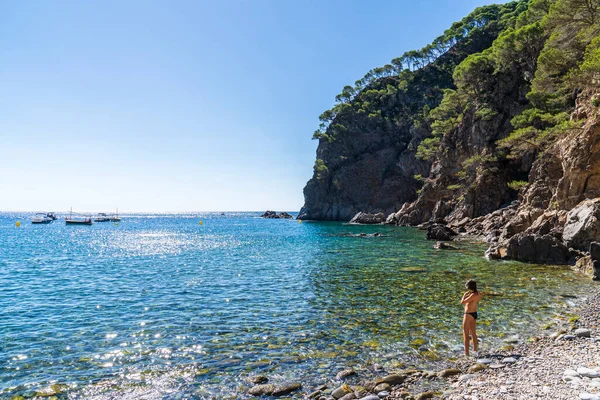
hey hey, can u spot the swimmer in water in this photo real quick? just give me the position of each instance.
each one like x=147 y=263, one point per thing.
x=470 y=300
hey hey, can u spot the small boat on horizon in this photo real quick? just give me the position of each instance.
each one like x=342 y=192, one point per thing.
x=77 y=220
x=116 y=218
x=42 y=218
x=102 y=217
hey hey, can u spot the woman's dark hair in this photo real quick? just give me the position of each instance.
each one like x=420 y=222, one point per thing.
x=471 y=285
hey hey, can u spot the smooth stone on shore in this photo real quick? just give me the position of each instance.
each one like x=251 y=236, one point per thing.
x=485 y=361
x=449 y=372
x=588 y=372
x=394 y=379
x=568 y=337
x=370 y=397
x=466 y=377
x=583 y=332
x=315 y=394
x=349 y=396
x=345 y=373
x=571 y=372
x=260 y=390
x=383 y=395
x=341 y=391
x=509 y=360
x=286 y=388
x=572 y=379
x=497 y=365
x=476 y=368
x=381 y=387
x=588 y=396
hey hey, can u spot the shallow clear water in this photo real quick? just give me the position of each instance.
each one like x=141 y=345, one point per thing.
x=163 y=307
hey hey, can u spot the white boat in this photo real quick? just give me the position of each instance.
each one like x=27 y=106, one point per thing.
x=102 y=217
x=41 y=218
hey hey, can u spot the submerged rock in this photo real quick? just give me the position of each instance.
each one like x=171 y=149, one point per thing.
x=444 y=246
x=345 y=373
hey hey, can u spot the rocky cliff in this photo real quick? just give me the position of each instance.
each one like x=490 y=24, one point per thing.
x=498 y=136
x=366 y=158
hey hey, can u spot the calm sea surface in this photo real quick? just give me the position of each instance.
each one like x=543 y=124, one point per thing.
x=162 y=307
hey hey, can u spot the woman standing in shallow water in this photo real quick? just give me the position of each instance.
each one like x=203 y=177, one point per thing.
x=470 y=300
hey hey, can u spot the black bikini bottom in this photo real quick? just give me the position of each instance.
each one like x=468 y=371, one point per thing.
x=473 y=314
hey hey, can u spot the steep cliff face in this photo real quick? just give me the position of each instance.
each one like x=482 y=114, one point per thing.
x=366 y=158
x=560 y=208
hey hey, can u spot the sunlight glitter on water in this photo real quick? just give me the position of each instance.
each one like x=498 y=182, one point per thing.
x=195 y=310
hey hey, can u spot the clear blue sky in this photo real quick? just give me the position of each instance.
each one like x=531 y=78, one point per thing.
x=184 y=105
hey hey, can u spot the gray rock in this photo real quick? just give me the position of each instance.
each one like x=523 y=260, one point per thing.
x=568 y=337
x=340 y=392
x=349 y=396
x=583 y=225
x=370 y=397
x=444 y=246
x=544 y=249
x=497 y=365
x=370 y=219
x=440 y=232
x=260 y=390
x=476 y=368
x=381 y=387
x=394 y=379
x=383 y=395
x=449 y=372
x=588 y=372
x=345 y=373
x=583 y=332
x=509 y=360
x=273 y=215
x=485 y=361
x=588 y=396
x=466 y=377
x=286 y=388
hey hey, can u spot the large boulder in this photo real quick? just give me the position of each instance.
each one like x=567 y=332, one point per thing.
x=542 y=249
x=583 y=225
x=364 y=218
x=440 y=232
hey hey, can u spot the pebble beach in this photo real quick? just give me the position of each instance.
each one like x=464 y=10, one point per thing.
x=562 y=362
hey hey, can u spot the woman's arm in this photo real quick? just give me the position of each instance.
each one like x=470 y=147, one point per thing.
x=467 y=298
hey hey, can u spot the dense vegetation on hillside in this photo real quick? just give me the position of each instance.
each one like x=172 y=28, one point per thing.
x=488 y=96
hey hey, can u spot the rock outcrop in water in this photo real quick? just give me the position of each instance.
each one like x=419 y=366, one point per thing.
x=273 y=215
x=499 y=136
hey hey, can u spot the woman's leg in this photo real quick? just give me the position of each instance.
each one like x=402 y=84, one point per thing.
x=466 y=329
x=473 y=329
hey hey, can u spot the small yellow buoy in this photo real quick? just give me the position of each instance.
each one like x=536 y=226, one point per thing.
x=200 y=222
x=18 y=224
x=299 y=221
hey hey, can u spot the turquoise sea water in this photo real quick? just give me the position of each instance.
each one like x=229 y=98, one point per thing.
x=161 y=307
